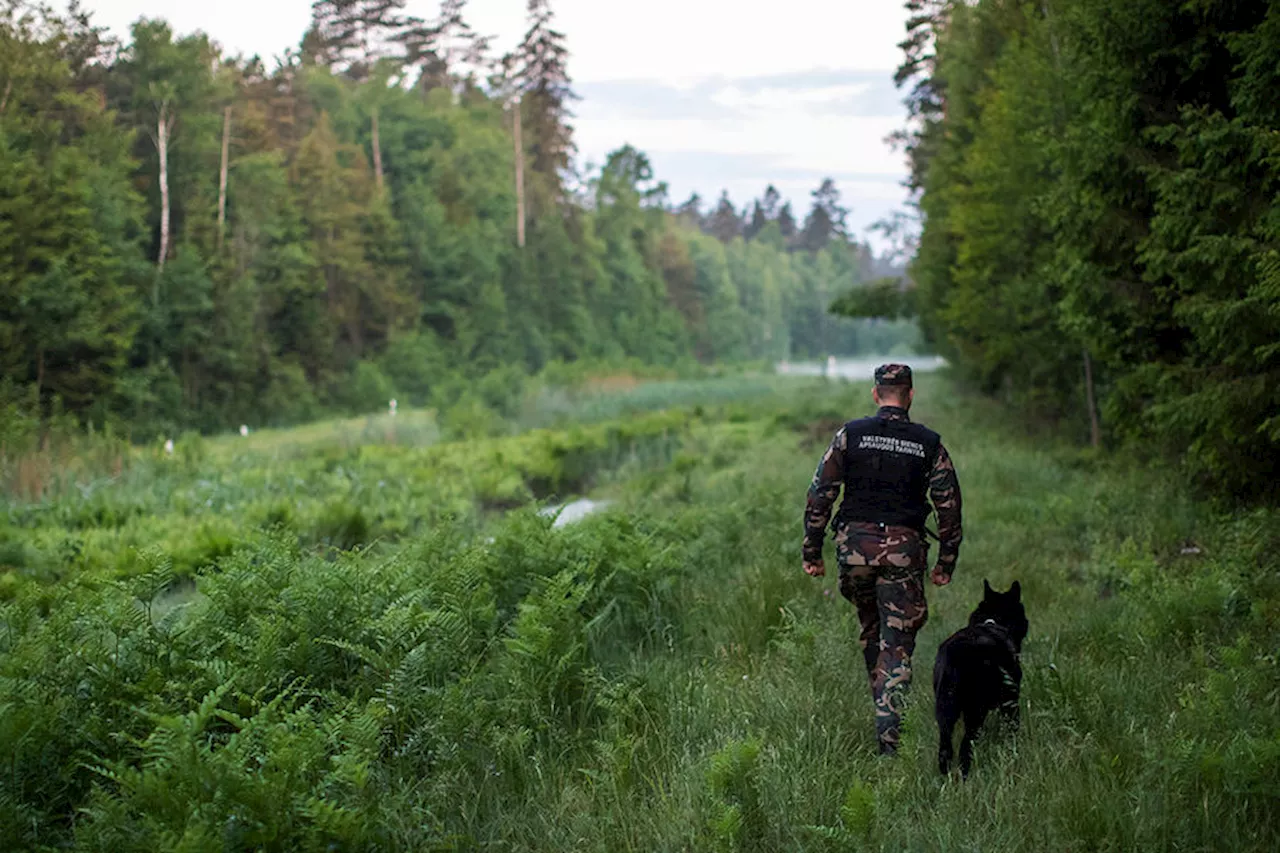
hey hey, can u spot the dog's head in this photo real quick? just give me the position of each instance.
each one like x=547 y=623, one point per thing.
x=1005 y=609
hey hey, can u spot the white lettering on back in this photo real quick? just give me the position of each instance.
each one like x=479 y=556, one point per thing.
x=889 y=444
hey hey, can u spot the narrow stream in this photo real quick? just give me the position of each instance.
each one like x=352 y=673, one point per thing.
x=574 y=511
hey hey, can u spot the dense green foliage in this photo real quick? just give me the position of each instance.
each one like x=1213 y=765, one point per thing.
x=345 y=483
x=364 y=244
x=1100 y=181
x=368 y=634
x=658 y=677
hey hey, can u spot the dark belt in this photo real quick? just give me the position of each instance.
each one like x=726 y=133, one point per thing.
x=923 y=531
x=884 y=528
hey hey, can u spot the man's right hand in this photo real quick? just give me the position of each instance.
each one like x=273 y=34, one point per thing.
x=941 y=576
x=814 y=569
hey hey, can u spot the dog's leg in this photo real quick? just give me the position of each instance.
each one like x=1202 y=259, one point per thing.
x=1009 y=711
x=973 y=719
x=946 y=718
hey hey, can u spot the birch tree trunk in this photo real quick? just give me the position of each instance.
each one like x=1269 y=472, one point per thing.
x=222 y=176
x=162 y=148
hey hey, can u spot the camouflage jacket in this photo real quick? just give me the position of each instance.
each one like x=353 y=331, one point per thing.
x=944 y=491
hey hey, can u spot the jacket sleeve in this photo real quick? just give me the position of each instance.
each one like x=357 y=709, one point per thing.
x=944 y=490
x=823 y=493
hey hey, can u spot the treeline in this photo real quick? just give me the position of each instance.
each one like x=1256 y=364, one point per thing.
x=1100 y=189
x=191 y=240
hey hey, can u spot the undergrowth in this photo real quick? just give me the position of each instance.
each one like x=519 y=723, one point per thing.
x=660 y=676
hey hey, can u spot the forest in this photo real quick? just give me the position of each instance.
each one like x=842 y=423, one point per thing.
x=552 y=597
x=1098 y=185
x=194 y=240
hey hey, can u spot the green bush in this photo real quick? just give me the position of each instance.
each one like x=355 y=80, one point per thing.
x=290 y=398
x=342 y=526
x=365 y=390
x=415 y=364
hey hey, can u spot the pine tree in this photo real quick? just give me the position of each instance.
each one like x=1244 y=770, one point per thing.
x=543 y=79
x=770 y=205
x=724 y=223
x=352 y=35
x=926 y=20
x=826 y=220
x=756 y=223
x=446 y=51
x=690 y=212
x=787 y=223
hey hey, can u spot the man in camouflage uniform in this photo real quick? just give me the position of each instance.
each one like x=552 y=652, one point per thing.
x=886 y=465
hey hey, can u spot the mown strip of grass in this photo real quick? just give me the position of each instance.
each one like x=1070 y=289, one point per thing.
x=663 y=677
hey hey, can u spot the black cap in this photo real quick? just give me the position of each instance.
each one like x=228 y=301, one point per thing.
x=893 y=374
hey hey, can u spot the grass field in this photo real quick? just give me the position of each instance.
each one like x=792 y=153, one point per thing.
x=391 y=650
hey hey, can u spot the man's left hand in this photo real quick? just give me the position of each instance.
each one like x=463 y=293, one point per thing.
x=815 y=569
x=940 y=576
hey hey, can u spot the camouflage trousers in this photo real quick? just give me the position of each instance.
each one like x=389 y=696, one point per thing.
x=882 y=573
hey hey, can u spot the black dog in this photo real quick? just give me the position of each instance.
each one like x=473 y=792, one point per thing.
x=977 y=671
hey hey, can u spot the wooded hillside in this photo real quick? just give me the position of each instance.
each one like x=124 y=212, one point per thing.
x=194 y=240
x=1100 y=190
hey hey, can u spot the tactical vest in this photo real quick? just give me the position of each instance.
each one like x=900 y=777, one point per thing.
x=887 y=465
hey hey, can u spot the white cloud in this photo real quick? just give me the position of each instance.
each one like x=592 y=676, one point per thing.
x=793 y=140
x=263 y=27
x=775 y=99
x=670 y=40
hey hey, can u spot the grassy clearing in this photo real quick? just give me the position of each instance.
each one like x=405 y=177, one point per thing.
x=346 y=483
x=54 y=458
x=661 y=676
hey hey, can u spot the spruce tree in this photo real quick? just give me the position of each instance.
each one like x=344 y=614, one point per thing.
x=445 y=51
x=787 y=223
x=724 y=223
x=770 y=204
x=543 y=78
x=352 y=35
x=826 y=219
x=690 y=212
x=756 y=223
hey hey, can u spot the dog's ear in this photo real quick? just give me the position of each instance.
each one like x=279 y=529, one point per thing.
x=986 y=588
x=1016 y=589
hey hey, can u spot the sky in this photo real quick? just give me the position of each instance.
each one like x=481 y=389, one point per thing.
x=720 y=94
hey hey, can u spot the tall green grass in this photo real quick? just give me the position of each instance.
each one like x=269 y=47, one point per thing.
x=661 y=676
